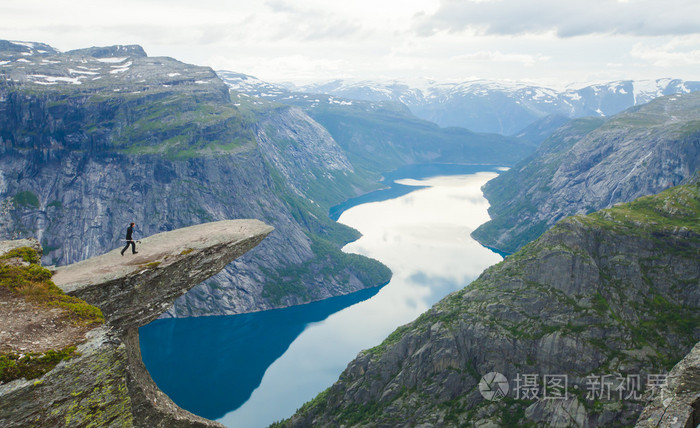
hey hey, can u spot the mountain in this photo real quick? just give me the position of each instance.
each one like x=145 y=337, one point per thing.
x=594 y=163
x=611 y=297
x=379 y=136
x=504 y=107
x=93 y=139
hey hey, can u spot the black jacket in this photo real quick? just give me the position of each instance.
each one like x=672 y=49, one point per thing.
x=129 y=232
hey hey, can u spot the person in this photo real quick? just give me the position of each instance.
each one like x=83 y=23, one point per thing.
x=130 y=239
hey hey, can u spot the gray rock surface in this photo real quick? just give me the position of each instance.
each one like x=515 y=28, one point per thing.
x=677 y=404
x=107 y=384
x=134 y=289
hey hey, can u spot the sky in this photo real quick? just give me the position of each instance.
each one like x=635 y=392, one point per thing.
x=549 y=42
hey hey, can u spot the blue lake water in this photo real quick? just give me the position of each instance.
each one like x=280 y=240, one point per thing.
x=253 y=369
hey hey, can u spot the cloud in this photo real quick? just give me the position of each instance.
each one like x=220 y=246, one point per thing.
x=496 y=56
x=563 y=18
x=310 y=23
x=679 y=51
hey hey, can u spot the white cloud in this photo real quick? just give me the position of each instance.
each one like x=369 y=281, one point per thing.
x=677 y=52
x=303 y=40
x=565 y=18
x=495 y=56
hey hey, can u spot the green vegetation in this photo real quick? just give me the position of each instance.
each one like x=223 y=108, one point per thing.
x=34 y=283
x=33 y=365
x=670 y=210
x=27 y=199
x=329 y=262
x=180 y=126
x=56 y=204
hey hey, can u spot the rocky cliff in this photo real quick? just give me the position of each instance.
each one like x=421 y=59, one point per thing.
x=105 y=382
x=605 y=303
x=594 y=163
x=93 y=139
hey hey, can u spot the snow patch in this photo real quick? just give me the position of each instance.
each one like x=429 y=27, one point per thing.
x=112 y=60
x=201 y=82
x=173 y=74
x=25 y=44
x=23 y=60
x=71 y=71
x=55 y=79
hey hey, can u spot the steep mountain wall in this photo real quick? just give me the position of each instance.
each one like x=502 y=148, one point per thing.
x=94 y=139
x=593 y=163
x=615 y=293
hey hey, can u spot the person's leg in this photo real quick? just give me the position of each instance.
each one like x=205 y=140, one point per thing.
x=126 y=246
x=133 y=247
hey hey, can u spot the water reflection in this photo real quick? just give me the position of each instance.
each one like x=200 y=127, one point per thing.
x=423 y=236
x=219 y=361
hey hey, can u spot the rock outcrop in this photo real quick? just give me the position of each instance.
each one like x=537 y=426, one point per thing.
x=591 y=164
x=615 y=294
x=677 y=404
x=134 y=289
x=107 y=384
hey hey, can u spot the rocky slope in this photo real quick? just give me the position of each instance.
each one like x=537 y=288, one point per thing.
x=105 y=383
x=615 y=294
x=593 y=163
x=96 y=138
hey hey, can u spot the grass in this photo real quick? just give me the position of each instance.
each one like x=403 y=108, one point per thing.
x=33 y=365
x=34 y=283
x=27 y=199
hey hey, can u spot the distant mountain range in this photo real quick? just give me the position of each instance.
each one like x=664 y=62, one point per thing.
x=479 y=105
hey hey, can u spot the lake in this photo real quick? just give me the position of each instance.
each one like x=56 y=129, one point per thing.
x=250 y=370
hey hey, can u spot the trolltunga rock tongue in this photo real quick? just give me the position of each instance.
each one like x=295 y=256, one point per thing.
x=134 y=289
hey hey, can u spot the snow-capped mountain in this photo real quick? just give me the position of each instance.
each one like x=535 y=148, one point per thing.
x=505 y=107
x=479 y=105
x=121 y=69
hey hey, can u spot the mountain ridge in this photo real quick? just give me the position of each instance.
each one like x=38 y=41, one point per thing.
x=593 y=163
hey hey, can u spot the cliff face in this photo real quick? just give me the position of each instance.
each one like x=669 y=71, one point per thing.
x=106 y=383
x=590 y=164
x=613 y=293
x=96 y=138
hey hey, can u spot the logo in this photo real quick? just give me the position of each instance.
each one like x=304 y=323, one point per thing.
x=493 y=386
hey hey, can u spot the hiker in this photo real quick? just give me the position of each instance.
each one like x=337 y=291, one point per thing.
x=130 y=240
